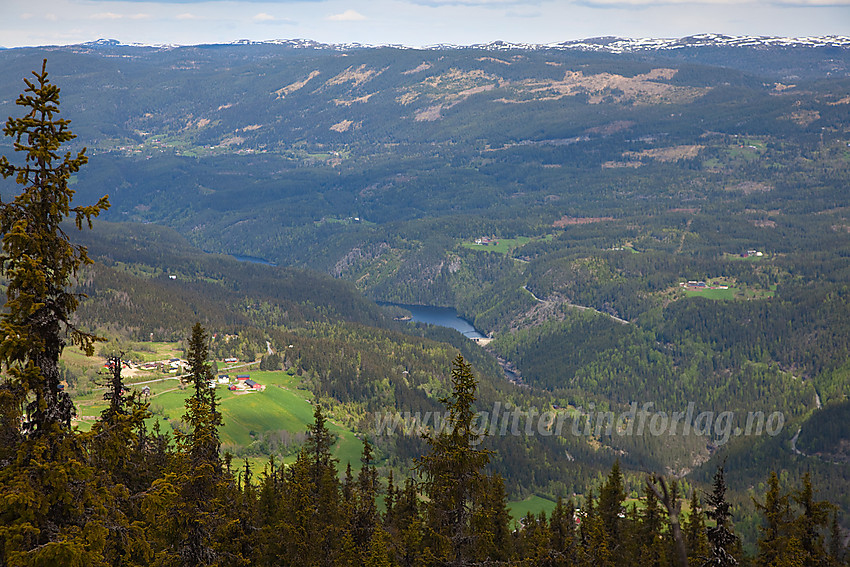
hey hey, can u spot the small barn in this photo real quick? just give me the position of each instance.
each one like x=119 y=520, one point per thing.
x=254 y=385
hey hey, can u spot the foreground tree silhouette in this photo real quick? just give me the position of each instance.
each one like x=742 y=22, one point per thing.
x=452 y=473
x=192 y=509
x=38 y=258
x=721 y=537
x=52 y=507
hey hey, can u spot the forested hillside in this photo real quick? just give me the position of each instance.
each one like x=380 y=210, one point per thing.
x=659 y=227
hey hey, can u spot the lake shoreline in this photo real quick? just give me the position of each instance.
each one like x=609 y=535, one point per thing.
x=441 y=316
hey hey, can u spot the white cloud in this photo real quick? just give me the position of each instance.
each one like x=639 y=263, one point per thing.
x=106 y=16
x=114 y=16
x=347 y=16
x=264 y=18
x=186 y=16
x=522 y=14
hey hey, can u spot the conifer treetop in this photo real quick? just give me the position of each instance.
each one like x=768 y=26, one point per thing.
x=37 y=256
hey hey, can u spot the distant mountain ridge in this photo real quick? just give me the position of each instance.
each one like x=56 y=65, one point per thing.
x=610 y=44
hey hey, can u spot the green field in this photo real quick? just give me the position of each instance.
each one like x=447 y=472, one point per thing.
x=499 y=246
x=282 y=406
x=716 y=294
x=733 y=292
x=504 y=245
x=739 y=258
x=534 y=504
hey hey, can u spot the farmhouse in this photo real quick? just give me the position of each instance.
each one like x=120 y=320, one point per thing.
x=243 y=377
x=254 y=386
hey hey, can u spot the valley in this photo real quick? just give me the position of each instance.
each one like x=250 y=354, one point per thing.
x=628 y=226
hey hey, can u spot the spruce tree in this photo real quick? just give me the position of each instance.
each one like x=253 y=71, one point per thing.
x=777 y=543
x=596 y=552
x=653 y=547
x=693 y=526
x=611 y=498
x=721 y=537
x=811 y=523
x=188 y=508
x=562 y=527
x=310 y=523
x=53 y=508
x=38 y=259
x=452 y=472
x=366 y=511
x=408 y=526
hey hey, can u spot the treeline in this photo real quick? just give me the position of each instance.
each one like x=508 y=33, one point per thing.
x=124 y=495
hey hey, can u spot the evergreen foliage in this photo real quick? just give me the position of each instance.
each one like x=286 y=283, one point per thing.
x=38 y=259
x=122 y=494
x=721 y=537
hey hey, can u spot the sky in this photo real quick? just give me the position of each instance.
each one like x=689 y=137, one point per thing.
x=415 y=23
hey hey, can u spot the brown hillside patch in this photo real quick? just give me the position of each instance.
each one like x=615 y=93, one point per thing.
x=641 y=89
x=364 y=98
x=344 y=126
x=845 y=100
x=447 y=90
x=493 y=60
x=424 y=66
x=673 y=153
x=429 y=114
x=803 y=117
x=357 y=77
x=748 y=187
x=289 y=89
x=763 y=223
x=619 y=164
x=568 y=221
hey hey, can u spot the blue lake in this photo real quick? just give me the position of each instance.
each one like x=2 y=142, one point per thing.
x=253 y=260
x=442 y=316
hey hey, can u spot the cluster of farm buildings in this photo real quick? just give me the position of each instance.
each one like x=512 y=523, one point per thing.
x=239 y=382
x=243 y=383
x=694 y=284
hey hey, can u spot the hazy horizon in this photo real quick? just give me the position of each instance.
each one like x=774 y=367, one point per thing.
x=414 y=23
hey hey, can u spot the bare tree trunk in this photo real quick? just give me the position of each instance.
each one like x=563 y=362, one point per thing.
x=669 y=498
